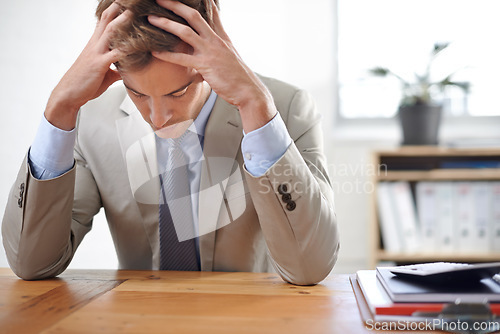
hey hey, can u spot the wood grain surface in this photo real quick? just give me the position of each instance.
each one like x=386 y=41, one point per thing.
x=108 y=301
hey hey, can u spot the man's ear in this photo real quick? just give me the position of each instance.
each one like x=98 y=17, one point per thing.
x=117 y=68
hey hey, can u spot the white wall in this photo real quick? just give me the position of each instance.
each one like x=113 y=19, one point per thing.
x=39 y=41
x=289 y=39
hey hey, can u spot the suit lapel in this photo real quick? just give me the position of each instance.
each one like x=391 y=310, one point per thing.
x=223 y=136
x=138 y=145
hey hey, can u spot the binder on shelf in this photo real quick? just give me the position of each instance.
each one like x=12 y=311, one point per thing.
x=444 y=219
x=463 y=201
x=406 y=216
x=388 y=220
x=495 y=216
x=427 y=202
x=482 y=216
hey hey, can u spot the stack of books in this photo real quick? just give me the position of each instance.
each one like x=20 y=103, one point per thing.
x=394 y=299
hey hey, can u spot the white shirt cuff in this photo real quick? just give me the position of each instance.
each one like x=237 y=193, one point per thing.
x=264 y=146
x=51 y=154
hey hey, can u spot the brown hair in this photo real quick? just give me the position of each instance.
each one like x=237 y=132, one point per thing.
x=138 y=38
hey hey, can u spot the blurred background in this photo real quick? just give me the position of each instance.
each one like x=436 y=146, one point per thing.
x=323 y=46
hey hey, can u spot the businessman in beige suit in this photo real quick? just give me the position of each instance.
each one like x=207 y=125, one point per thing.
x=258 y=191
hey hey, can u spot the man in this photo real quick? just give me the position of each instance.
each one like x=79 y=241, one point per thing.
x=198 y=163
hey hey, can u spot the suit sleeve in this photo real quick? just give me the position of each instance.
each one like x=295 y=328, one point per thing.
x=294 y=201
x=46 y=220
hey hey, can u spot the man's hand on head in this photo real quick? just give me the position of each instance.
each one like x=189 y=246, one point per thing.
x=213 y=55
x=90 y=75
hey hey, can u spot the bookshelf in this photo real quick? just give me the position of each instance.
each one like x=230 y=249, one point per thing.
x=432 y=164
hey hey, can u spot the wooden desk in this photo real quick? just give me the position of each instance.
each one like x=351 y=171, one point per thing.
x=109 y=301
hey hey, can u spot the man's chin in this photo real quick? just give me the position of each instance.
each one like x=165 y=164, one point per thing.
x=174 y=130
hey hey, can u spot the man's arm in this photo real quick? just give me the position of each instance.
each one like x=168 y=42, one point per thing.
x=90 y=75
x=41 y=229
x=294 y=201
x=268 y=154
x=46 y=219
x=34 y=238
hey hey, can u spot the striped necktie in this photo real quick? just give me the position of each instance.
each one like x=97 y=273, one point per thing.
x=177 y=243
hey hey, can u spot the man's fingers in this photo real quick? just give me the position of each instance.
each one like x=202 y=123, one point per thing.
x=215 y=14
x=182 y=31
x=181 y=59
x=191 y=15
x=217 y=23
x=107 y=16
x=111 y=27
x=113 y=56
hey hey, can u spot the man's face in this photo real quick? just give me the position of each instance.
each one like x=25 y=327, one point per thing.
x=168 y=96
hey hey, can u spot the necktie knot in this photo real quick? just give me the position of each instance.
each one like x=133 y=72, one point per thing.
x=176 y=156
x=176 y=142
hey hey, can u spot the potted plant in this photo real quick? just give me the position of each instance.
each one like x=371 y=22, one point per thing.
x=419 y=113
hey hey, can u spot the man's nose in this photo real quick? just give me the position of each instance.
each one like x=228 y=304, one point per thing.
x=160 y=112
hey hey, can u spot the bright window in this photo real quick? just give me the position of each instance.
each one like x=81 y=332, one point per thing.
x=399 y=35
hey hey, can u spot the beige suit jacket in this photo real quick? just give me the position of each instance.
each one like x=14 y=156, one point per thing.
x=283 y=220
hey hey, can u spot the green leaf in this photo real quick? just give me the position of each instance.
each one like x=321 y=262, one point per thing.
x=438 y=47
x=465 y=86
x=379 y=71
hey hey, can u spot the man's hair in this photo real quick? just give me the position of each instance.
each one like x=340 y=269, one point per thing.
x=138 y=38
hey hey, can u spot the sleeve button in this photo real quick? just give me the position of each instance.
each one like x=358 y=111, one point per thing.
x=286 y=197
x=291 y=206
x=282 y=189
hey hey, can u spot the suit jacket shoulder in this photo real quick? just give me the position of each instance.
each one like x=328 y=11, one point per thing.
x=295 y=105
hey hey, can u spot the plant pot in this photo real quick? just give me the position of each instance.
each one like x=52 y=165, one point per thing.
x=420 y=123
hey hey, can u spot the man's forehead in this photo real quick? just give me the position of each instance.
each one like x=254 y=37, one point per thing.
x=158 y=77
x=181 y=88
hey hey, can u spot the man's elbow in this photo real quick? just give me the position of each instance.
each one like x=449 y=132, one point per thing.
x=29 y=273
x=312 y=273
